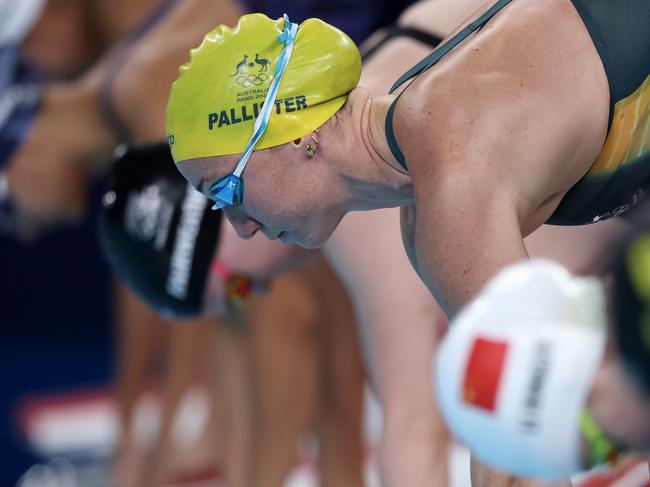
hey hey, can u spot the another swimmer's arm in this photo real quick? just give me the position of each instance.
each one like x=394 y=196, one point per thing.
x=139 y=92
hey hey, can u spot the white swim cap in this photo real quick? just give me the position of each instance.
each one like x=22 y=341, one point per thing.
x=515 y=369
x=17 y=17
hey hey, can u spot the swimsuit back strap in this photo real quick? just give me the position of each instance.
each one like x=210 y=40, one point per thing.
x=397 y=31
x=445 y=48
x=390 y=135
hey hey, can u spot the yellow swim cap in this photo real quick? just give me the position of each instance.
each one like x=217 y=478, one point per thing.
x=218 y=94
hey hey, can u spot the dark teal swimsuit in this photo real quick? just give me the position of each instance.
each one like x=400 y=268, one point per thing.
x=620 y=30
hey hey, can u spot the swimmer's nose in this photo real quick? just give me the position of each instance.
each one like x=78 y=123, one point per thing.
x=245 y=226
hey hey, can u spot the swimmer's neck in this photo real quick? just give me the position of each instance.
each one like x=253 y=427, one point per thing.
x=377 y=109
x=372 y=173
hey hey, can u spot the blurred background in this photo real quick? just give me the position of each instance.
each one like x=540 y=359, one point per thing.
x=56 y=332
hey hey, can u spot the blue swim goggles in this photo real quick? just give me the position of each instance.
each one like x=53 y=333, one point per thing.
x=229 y=190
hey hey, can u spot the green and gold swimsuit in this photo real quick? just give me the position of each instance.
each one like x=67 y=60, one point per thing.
x=620 y=177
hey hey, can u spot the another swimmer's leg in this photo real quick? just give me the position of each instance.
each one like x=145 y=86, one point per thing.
x=207 y=454
x=284 y=377
x=232 y=383
x=340 y=404
x=399 y=323
x=138 y=333
x=188 y=348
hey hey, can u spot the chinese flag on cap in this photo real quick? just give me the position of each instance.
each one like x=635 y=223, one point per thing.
x=483 y=374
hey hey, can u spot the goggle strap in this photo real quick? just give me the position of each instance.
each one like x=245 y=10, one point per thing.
x=601 y=448
x=288 y=35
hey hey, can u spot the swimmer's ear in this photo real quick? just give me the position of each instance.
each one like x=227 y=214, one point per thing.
x=298 y=144
x=310 y=148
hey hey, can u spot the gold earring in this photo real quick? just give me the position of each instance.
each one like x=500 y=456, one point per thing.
x=310 y=151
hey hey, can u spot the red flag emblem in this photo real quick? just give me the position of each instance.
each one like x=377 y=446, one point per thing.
x=483 y=374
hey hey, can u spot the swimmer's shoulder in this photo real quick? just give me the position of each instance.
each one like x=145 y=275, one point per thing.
x=506 y=92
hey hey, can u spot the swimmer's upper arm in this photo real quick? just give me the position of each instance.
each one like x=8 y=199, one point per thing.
x=471 y=194
x=492 y=134
x=467 y=229
x=407 y=224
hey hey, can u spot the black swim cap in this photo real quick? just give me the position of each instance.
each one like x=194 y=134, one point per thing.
x=157 y=232
x=632 y=305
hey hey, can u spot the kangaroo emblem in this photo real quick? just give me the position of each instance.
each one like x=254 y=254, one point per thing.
x=264 y=63
x=241 y=66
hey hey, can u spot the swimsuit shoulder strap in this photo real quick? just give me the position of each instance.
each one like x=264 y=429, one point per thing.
x=445 y=48
x=397 y=31
x=425 y=64
x=390 y=134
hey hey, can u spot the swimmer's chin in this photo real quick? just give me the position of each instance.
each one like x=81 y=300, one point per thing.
x=304 y=242
x=309 y=245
